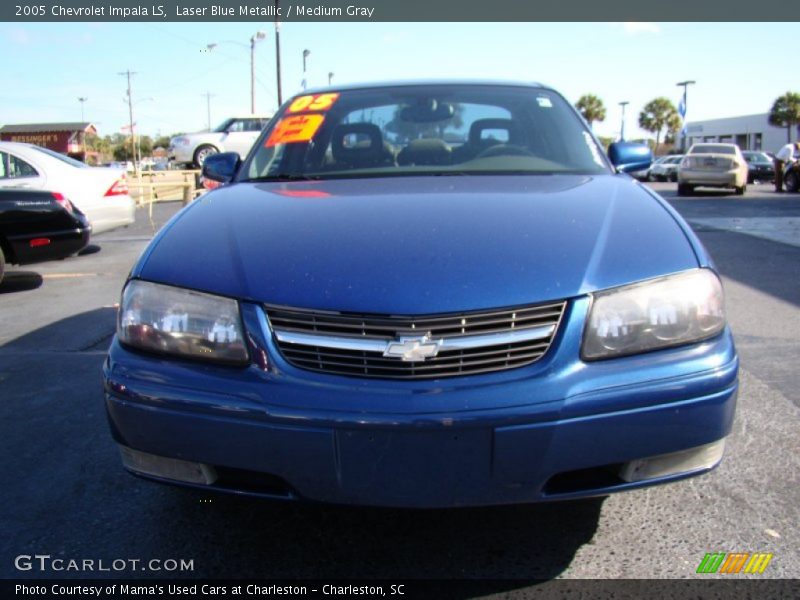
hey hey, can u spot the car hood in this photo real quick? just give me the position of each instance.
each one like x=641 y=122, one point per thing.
x=416 y=245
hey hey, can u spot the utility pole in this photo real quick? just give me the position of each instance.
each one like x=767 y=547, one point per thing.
x=128 y=74
x=208 y=96
x=278 y=52
x=82 y=100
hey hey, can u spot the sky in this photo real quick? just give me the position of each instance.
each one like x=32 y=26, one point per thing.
x=54 y=64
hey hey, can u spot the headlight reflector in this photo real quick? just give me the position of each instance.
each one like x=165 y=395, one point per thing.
x=669 y=311
x=171 y=320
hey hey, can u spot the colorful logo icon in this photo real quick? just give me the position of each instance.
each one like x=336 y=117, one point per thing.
x=734 y=562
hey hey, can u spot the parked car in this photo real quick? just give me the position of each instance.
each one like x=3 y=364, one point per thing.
x=760 y=167
x=37 y=226
x=365 y=313
x=665 y=169
x=712 y=165
x=236 y=134
x=100 y=193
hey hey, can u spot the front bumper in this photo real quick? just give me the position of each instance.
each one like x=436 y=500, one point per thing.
x=559 y=428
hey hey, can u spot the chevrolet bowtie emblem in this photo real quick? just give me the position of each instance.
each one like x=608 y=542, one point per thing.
x=413 y=349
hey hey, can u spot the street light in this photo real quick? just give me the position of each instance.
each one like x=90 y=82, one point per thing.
x=682 y=110
x=306 y=52
x=256 y=37
x=82 y=100
x=623 y=104
x=330 y=77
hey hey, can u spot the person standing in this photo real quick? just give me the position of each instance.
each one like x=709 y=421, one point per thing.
x=783 y=156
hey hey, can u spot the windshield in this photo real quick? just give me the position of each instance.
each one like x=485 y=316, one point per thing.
x=222 y=127
x=712 y=149
x=422 y=130
x=62 y=158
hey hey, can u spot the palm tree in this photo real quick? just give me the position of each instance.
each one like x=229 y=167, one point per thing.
x=659 y=115
x=785 y=112
x=591 y=107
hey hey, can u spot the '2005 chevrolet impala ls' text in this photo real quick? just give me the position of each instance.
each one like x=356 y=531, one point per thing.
x=423 y=295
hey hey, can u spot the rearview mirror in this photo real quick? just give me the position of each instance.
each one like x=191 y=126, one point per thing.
x=630 y=156
x=221 y=167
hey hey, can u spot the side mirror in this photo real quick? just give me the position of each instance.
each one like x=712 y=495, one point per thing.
x=221 y=167
x=630 y=156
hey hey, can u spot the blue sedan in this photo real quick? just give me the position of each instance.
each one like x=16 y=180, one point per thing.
x=423 y=295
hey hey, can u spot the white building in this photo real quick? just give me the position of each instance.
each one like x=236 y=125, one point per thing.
x=750 y=132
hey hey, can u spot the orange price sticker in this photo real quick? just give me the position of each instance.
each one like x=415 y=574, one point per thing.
x=297 y=128
x=313 y=102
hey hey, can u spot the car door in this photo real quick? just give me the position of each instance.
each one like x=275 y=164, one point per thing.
x=16 y=172
x=241 y=135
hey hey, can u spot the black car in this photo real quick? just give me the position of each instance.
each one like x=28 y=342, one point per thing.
x=760 y=167
x=36 y=226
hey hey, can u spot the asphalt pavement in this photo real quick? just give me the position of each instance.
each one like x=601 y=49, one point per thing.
x=65 y=494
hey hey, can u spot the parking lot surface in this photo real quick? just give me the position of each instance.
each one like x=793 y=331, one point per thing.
x=66 y=495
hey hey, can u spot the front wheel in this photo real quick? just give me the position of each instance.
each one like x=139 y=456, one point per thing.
x=202 y=153
x=673 y=177
x=2 y=264
x=684 y=189
x=740 y=190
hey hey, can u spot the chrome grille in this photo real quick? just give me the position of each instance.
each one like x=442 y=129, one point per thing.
x=470 y=343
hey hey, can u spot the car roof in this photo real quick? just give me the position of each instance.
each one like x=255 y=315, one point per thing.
x=424 y=82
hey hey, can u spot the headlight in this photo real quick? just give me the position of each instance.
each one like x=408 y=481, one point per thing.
x=669 y=311
x=179 y=141
x=171 y=320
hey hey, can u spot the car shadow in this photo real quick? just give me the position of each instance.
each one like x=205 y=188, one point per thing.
x=508 y=547
x=766 y=265
x=89 y=249
x=20 y=281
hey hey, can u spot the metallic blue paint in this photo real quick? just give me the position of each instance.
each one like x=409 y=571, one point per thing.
x=416 y=245
x=412 y=245
x=630 y=156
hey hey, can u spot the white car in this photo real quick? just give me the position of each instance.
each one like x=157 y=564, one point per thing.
x=236 y=134
x=712 y=165
x=665 y=168
x=100 y=193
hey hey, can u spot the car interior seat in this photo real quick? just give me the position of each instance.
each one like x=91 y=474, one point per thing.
x=360 y=146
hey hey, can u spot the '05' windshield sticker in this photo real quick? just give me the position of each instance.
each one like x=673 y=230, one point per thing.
x=294 y=129
x=313 y=102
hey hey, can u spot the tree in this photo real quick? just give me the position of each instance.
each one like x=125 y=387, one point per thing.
x=785 y=112
x=591 y=107
x=659 y=116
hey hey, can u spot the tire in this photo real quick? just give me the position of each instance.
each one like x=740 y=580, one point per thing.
x=202 y=153
x=673 y=177
x=2 y=263
x=792 y=181
x=741 y=190
x=684 y=189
